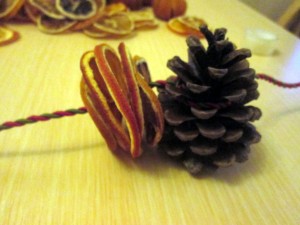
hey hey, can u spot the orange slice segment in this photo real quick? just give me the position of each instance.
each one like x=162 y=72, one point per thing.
x=7 y=36
x=119 y=24
x=53 y=26
x=77 y=9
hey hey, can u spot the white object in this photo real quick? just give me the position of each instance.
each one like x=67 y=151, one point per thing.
x=260 y=42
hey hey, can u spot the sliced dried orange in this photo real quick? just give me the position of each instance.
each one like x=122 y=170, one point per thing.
x=32 y=12
x=192 y=21
x=153 y=114
x=102 y=125
x=186 y=25
x=112 y=74
x=9 y=8
x=143 y=18
x=78 y=9
x=83 y=24
x=7 y=36
x=114 y=8
x=94 y=32
x=49 y=25
x=101 y=107
x=47 y=7
x=120 y=100
x=119 y=23
x=21 y=16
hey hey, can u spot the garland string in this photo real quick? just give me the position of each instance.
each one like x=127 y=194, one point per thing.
x=157 y=84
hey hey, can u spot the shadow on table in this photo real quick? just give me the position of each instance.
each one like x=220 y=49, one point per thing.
x=157 y=163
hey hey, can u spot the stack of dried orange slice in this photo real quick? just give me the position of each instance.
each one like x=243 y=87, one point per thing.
x=94 y=17
x=57 y=16
x=124 y=108
x=118 y=21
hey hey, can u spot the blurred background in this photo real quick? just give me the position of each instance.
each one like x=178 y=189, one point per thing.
x=284 y=12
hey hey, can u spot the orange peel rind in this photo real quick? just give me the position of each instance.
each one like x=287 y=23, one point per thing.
x=124 y=108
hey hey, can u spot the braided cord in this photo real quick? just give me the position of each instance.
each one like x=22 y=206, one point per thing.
x=42 y=117
x=278 y=83
x=158 y=84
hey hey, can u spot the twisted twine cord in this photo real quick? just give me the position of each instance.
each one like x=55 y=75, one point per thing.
x=42 y=117
x=158 y=84
x=278 y=83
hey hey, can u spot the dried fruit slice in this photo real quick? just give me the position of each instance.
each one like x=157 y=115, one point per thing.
x=153 y=114
x=115 y=8
x=78 y=9
x=143 y=18
x=192 y=22
x=9 y=8
x=47 y=7
x=186 y=25
x=101 y=105
x=113 y=77
x=102 y=126
x=7 y=36
x=32 y=12
x=119 y=99
x=119 y=24
x=94 y=32
x=133 y=92
x=53 y=26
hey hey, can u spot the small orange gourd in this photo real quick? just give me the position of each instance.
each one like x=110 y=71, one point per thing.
x=167 y=9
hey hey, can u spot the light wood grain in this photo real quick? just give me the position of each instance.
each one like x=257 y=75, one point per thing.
x=61 y=172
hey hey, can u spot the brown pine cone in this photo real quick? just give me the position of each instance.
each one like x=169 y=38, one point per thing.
x=207 y=122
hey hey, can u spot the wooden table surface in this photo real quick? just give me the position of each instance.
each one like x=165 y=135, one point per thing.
x=61 y=172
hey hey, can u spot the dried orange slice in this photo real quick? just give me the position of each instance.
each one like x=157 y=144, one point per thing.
x=115 y=8
x=192 y=22
x=153 y=114
x=100 y=105
x=94 y=32
x=78 y=9
x=119 y=99
x=49 y=25
x=119 y=23
x=9 y=8
x=32 y=12
x=143 y=18
x=186 y=25
x=47 y=7
x=7 y=36
x=82 y=24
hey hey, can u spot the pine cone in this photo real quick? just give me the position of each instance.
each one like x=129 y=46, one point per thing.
x=207 y=122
